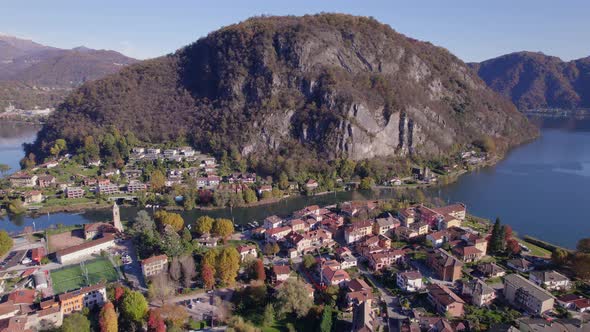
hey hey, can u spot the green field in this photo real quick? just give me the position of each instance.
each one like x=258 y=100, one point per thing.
x=73 y=277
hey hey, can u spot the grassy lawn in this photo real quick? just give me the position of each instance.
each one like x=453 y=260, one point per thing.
x=67 y=201
x=536 y=250
x=72 y=277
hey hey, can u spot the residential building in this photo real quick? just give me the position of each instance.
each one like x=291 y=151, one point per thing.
x=357 y=231
x=281 y=272
x=46 y=180
x=276 y=234
x=96 y=229
x=479 y=292
x=247 y=251
x=520 y=265
x=444 y=265
x=574 y=302
x=467 y=254
x=310 y=240
x=458 y=210
x=334 y=276
x=107 y=189
x=74 y=192
x=311 y=184
x=407 y=216
x=264 y=188
x=135 y=186
x=384 y=226
x=85 y=249
x=298 y=225
x=88 y=297
x=22 y=179
x=550 y=280
x=364 y=318
x=154 y=265
x=347 y=259
x=272 y=222
x=358 y=292
x=384 y=259
x=491 y=270
x=437 y=238
x=409 y=281
x=525 y=295
x=33 y=197
x=445 y=301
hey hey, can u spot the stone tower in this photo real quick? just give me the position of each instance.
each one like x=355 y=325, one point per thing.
x=117 y=218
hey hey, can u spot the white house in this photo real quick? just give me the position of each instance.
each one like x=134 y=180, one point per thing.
x=410 y=281
x=550 y=280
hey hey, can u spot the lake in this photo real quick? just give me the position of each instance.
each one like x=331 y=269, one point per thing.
x=541 y=189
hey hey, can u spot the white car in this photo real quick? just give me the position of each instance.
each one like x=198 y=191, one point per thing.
x=26 y=261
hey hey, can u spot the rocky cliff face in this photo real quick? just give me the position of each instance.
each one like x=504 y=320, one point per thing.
x=535 y=80
x=336 y=85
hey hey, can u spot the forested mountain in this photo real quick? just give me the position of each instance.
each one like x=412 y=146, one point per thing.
x=535 y=80
x=327 y=86
x=32 y=74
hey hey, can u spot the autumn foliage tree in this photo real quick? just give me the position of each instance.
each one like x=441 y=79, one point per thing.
x=208 y=275
x=157 y=181
x=259 y=267
x=155 y=321
x=168 y=218
x=174 y=314
x=223 y=228
x=204 y=224
x=108 y=318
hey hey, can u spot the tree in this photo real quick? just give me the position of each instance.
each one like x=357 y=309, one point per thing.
x=187 y=264
x=169 y=218
x=143 y=223
x=294 y=298
x=91 y=150
x=29 y=161
x=508 y=233
x=155 y=321
x=186 y=235
x=204 y=224
x=367 y=183
x=228 y=264
x=119 y=292
x=308 y=261
x=134 y=306
x=497 y=238
x=5 y=242
x=559 y=256
x=108 y=318
x=283 y=181
x=174 y=270
x=223 y=228
x=326 y=322
x=58 y=147
x=275 y=248
x=160 y=288
x=268 y=250
x=250 y=196
x=513 y=246
x=268 y=316
x=174 y=314
x=584 y=246
x=157 y=181
x=75 y=322
x=581 y=265
x=259 y=268
x=208 y=276
x=171 y=242
x=4 y=169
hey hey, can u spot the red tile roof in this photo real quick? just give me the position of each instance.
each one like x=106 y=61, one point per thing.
x=154 y=259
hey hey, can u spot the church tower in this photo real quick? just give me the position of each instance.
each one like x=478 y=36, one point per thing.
x=117 y=218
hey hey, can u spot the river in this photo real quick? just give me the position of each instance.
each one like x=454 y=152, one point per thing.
x=541 y=189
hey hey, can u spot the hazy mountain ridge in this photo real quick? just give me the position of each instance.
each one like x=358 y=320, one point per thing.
x=29 y=71
x=535 y=80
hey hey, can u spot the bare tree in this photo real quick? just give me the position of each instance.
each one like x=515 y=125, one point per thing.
x=161 y=288
x=175 y=270
x=189 y=270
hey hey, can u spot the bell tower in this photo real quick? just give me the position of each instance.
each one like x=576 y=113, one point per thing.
x=117 y=218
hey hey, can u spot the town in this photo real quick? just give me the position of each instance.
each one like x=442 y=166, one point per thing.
x=354 y=266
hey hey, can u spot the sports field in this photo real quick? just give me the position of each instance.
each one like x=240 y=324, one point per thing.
x=83 y=274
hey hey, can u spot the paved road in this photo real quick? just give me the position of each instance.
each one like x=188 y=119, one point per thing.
x=390 y=300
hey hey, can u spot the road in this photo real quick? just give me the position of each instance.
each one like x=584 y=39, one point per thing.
x=390 y=300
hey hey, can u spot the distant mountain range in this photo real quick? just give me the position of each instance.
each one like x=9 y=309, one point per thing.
x=35 y=75
x=535 y=80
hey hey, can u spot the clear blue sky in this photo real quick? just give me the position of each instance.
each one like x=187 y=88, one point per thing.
x=473 y=30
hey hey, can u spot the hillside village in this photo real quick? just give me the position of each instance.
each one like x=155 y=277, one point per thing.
x=356 y=266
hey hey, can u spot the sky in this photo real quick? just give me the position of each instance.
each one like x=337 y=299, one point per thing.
x=472 y=30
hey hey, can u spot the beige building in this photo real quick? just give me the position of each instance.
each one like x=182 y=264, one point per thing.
x=525 y=295
x=154 y=265
x=72 y=254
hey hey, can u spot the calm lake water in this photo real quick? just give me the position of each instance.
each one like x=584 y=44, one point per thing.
x=541 y=189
